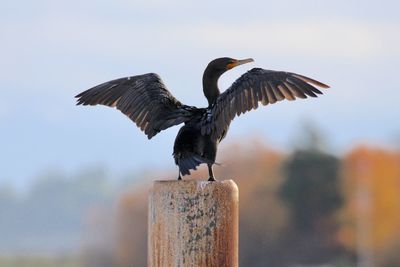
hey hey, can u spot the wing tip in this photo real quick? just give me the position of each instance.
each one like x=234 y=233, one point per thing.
x=82 y=102
x=312 y=81
x=80 y=99
x=79 y=102
x=322 y=85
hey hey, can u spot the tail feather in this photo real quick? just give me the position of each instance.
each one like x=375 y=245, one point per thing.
x=190 y=162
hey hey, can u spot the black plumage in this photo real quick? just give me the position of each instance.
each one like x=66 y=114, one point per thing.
x=147 y=102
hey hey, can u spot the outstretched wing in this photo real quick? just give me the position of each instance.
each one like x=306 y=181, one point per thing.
x=257 y=85
x=143 y=98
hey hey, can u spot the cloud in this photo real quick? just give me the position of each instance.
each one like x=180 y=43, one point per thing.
x=323 y=39
x=353 y=40
x=44 y=49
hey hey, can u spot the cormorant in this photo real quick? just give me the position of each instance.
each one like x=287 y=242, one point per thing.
x=147 y=102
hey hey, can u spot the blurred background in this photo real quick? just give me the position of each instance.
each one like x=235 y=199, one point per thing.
x=319 y=179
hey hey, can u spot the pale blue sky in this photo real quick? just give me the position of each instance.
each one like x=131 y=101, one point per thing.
x=52 y=50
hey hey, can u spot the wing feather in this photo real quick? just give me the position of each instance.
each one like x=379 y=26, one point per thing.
x=143 y=98
x=278 y=94
x=263 y=90
x=257 y=85
x=270 y=93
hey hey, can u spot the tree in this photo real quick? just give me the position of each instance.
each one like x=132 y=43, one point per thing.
x=311 y=190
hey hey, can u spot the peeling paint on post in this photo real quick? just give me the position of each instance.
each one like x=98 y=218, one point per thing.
x=193 y=223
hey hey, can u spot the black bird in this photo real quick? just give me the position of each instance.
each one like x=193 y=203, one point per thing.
x=147 y=102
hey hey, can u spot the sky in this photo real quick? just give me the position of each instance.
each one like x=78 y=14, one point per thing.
x=52 y=50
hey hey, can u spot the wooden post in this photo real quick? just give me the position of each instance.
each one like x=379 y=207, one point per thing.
x=193 y=223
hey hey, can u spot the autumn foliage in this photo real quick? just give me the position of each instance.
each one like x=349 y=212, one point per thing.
x=305 y=208
x=371 y=215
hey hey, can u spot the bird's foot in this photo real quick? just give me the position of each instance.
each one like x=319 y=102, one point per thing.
x=179 y=178
x=211 y=173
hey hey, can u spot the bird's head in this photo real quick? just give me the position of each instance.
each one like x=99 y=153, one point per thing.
x=214 y=70
x=220 y=65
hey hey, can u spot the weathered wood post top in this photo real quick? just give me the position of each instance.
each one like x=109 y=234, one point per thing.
x=193 y=223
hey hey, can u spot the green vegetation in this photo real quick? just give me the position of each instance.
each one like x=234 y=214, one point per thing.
x=40 y=261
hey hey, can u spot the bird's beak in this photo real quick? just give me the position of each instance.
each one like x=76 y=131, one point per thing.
x=239 y=62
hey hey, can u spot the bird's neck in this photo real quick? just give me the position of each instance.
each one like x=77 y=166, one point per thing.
x=210 y=85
